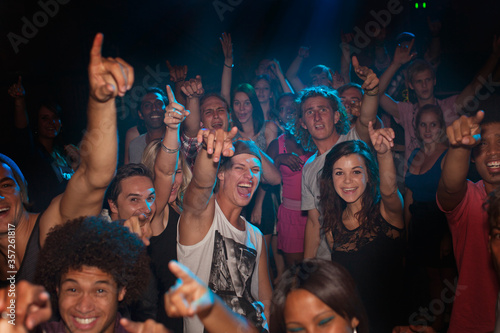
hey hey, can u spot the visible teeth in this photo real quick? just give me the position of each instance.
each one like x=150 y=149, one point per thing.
x=4 y=210
x=494 y=164
x=85 y=321
x=245 y=185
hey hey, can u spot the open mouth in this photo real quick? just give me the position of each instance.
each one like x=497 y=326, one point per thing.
x=85 y=321
x=493 y=166
x=349 y=190
x=245 y=189
x=217 y=125
x=319 y=126
x=4 y=211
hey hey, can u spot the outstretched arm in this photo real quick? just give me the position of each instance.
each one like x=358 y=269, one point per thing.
x=463 y=136
x=369 y=105
x=198 y=213
x=391 y=206
x=227 y=70
x=178 y=76
x=190 y=297
x=312 y=234
x=108 y=79
x=480 y=78
x=292 y=74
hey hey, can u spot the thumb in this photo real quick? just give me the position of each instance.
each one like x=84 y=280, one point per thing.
x=355 y=62
x=130 y=326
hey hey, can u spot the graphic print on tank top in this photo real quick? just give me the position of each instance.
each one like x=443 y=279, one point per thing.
x=230 y=278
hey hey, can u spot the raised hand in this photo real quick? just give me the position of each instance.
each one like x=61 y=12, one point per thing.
x=402 y=53
x=189 y=295
x=149 y=326
x=303 y=52
x=175 y=112
x=193 y=88
x=108 y=77
x=177 y=73
x=291 y=160
x=382 y=139
x=465 y=131
x=337 y=79
x=17 y=90
x=370 y=79
x=227 y=48
x=140 y=226
x=218 y=142
x=32 y=307
x=275 y=67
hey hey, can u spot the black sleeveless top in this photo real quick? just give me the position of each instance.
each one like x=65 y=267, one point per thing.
x=375 y=261
x=161 y=250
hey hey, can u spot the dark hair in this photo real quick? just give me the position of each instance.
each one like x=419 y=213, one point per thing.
x=272 y=88
x=492 y=206
x=94 y=242
x=19 y=178
x=154 y=90
x=333 y=205
x=347 y=86
x=328 y=281
x=275 y=113
x=128 y=170
x=257 y=113
x=419 y=66
x=320 y=69
x=430 y=108
x=342 y=126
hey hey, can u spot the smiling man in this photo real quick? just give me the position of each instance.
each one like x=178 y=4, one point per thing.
x=476 y=139
x=214 y=241
x=103 y=265
x=83 y=196
x=152 y=112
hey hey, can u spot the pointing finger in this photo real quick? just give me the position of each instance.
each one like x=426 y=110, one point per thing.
x=95 y=52
x=170 y=95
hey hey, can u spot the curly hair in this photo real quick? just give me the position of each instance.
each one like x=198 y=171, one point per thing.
x=333 y=205
x=328 y=281
x=94 y=242
x=342 y=126
x=257 y=113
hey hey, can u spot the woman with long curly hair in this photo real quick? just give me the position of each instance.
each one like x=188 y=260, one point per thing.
x=363 y=221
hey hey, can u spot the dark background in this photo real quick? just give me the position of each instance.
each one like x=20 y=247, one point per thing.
x=145 y=33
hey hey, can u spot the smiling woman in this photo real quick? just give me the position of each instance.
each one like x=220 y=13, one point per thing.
x=363 y=222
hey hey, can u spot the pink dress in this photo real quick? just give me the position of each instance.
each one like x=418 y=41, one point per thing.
x=291 y=220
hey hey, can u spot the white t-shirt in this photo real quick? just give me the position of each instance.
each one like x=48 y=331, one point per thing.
x=227 y=260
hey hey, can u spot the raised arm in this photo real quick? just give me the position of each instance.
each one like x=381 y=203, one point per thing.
x=227 y=70
x=391 y=206
x=178 y=76
x=345 y=60
x=108 y=78
x=193 y=89
x=198 y=212
x=369 y=106
x=481 y=77
x=462 y=134
x=292 y=74
x=17 y=92
x=402 y=55
x=276 y=69
x=168 y=155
